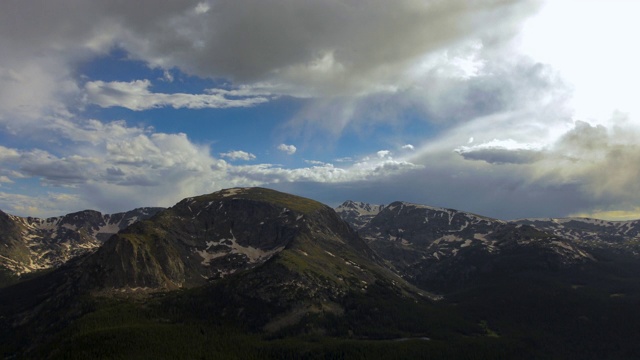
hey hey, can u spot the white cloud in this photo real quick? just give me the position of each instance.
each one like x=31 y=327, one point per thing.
x=123 y=167
x=167 y=76
x=289 y=149
x=383 y=154
x=453 y=63
x=45 y=205
x=202 y=8
x=135 y=95
x=316 y=162
x=324 y=173
x=503 y=152
x=323 y=49
x=238 y=155
x=408 y=147
x=8 y=153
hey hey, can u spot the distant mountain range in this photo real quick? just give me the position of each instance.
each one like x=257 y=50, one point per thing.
x=423 y=242
x=282 y=274
x=30 y=244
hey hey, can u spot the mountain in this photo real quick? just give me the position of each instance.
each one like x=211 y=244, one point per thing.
x=566 y=286
x=256 y=273
x=29 y=244
x=358 y=214
x=623 y=236
x=268 y=260
x=443 y=249
x=209 y=237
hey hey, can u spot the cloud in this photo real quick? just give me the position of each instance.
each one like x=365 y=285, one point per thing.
x=451 y=64
x=324 y=173
x=322 y=47
x=43 y=205
x=238 y=155
x=316 y=162
x=503 y=156
x=612 y=215
x=8 y=153
x=408 y=147
x=124 y=166
x=383 y=154
x=502 y=152
x=167 y=76
x=595 y=164
x=135 y=95
x=289 y=149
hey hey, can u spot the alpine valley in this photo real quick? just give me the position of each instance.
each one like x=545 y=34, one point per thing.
x=255 y=273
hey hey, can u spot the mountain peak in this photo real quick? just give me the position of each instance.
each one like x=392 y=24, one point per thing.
x=211 y=236
x=257 y=194
x=357 y=213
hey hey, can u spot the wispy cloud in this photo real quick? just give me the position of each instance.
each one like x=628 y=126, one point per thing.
x=135 y=95
x=238 y=155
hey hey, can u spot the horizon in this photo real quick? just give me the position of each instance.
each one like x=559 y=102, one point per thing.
x=340 y=204
x=514 y=109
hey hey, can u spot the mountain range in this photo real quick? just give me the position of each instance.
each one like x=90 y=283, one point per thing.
x=33 y=244
x=252 y=272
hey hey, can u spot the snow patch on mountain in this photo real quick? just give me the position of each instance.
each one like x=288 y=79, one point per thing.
x=53 y=241
x=229 y=246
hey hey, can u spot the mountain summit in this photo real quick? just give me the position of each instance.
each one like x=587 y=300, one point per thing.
x=205 y=238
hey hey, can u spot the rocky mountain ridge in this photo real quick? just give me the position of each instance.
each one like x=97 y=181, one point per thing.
x=592 y=233
x=246 y=248
x=277 y=269
x=28 y=244
x=438 y=248
x=358 y=214
x=206 y=238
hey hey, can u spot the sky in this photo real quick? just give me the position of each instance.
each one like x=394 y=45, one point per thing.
x=504 y=108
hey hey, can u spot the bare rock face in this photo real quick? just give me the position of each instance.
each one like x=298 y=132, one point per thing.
x=358 y=214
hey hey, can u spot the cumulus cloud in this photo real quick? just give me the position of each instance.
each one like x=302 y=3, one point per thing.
x=323 y=47
x=322 y=173
x=135 y=95
x=451 y=63
x=317 y=48
x=593 y=163
x=289 y=149
x=238 y=155
x=125 y=167
x=8 y=153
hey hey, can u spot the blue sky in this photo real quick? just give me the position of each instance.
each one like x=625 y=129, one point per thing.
x=509 y=109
